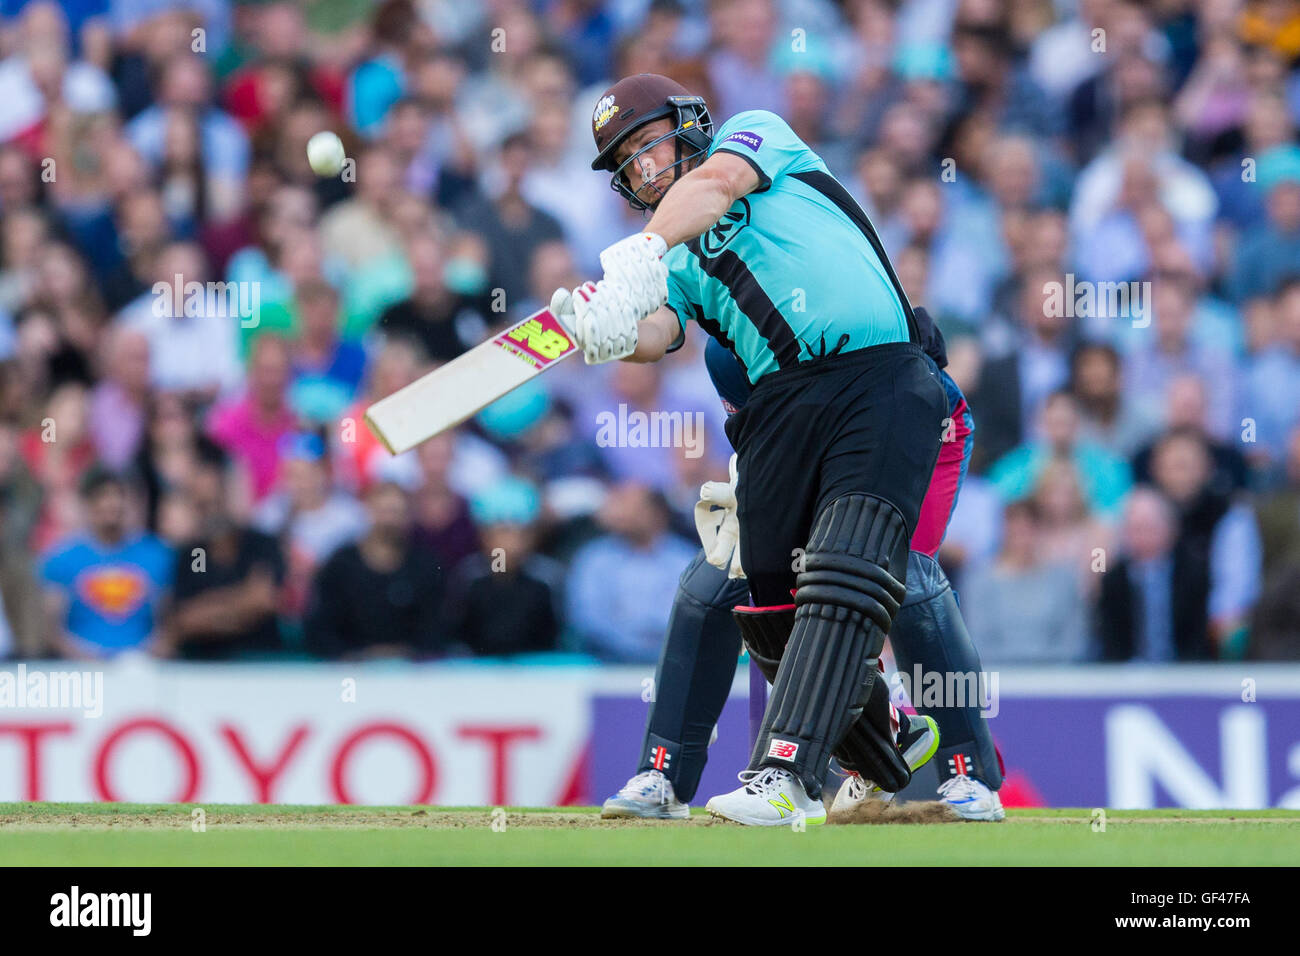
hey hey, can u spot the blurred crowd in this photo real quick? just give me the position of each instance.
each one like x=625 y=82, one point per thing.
x=1099 y=200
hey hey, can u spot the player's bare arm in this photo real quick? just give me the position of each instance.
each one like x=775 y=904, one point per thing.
x=693 y=205
x=702 y=197
x=655 y=336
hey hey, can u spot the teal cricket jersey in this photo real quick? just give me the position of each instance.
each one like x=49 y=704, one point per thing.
x=791 y=266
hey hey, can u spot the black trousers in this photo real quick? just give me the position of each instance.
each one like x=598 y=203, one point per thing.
x=869 y=421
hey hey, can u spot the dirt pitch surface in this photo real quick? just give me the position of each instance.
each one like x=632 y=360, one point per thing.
x=920 y=834
x=166 y=816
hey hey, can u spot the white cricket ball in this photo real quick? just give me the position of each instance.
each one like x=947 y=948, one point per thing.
x=325 y=154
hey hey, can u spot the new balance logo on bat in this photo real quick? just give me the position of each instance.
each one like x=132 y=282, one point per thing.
x=540 y=338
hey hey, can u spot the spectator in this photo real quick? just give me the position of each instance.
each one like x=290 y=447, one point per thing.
x=1026 y=360
x=379 y=596
x=1216 y=528
x=645 y=453
x=1152 y=606
x=1275 y=630
x=442 y=514
x=1185 y=408
x=1140 y=167
x=138 y=231
x=22 y=619
x=327 y=371
x=1104 y=477
x=185 y=97
x=119 y=403
x=1271 y=255
x=1271 y=404
x=105 y=586
x=358 y=454
x=360 y=230
x=441 y=322
x=20 y=493
x=1108 y=416
x=1069 y=532
x=1268 y=125
x=621 y=585
x=1019 y=608
x=376 y=84
x=307 y=513
x=251 y=428
x=1173 y=351
x=192 y=332
x=39 y=76
x=512 y=227
x=740 y=69
x=507 y=599
x=227 y=576
x=59 y=453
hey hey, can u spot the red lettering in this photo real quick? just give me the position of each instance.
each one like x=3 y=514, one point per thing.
x=499 y=739
x=429 y=774
x=189 y=790
x=576 y=786
x=31 y=736
x=264 y=775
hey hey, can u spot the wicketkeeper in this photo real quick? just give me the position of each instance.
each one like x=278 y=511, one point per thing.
x=755 y=241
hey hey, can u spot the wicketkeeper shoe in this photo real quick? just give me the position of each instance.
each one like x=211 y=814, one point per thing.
x=770 y=797
x=648 y=795
x=972 y=798
x=918 y=741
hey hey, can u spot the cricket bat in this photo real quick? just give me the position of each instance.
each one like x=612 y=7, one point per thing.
x=448 y=395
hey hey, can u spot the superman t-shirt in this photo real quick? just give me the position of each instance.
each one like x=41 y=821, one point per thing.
x=113 y=591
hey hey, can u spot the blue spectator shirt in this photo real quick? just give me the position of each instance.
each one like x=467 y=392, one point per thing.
x=112 y=591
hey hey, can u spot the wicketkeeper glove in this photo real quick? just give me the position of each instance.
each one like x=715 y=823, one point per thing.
x=718 y=525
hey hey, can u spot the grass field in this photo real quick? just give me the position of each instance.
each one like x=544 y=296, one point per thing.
x=142 y=834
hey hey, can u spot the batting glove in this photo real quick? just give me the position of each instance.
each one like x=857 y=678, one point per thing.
x=604 y=321
x=562 y=309
x=636 y=263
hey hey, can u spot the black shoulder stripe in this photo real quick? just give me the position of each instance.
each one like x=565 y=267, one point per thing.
x=830 y=187
x=729 y=269
x=714 y=329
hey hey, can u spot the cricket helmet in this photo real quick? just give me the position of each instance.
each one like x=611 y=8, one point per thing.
x=636 y=100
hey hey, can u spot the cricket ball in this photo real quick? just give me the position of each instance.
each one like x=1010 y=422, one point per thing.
x=325 y=154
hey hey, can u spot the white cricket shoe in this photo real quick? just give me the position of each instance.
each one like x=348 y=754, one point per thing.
x=918 y=740
x=771 y=797
x=972 y=798
x=648 y=795
x=855 y=790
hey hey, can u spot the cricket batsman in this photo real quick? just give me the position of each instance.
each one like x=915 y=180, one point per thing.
x=755 y=241
x=698 y=662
